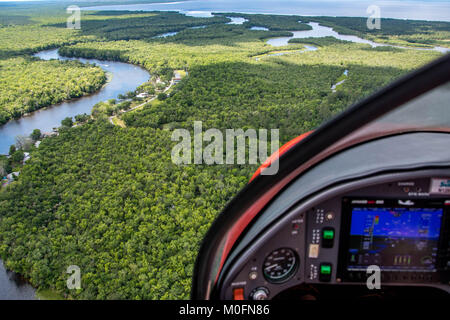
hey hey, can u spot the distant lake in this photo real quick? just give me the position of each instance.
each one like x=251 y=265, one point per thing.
x=419 y=10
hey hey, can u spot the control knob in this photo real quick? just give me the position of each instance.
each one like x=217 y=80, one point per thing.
x=260 y=293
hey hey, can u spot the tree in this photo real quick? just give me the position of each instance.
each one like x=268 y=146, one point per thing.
x=12 y=149
x=162 y=96
x=82 y=117
x=67 y=122
x=23 y=142
x=124 y=105
x=36 y=134
x=3 y=164
x=17 y=156
x=130 y=94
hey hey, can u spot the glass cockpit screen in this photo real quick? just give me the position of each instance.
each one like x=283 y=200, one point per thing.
x=395 y=239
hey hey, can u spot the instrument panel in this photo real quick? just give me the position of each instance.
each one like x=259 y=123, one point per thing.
x=397 y=225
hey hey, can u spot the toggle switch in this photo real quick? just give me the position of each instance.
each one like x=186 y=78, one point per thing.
x=327 y=237
x=238 y=294
x=325 y=272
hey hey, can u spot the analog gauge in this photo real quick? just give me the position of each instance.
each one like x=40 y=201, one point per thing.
x=280 y=265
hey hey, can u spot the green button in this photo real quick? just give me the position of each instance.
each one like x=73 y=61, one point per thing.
x=325 y=269
x=328 y=234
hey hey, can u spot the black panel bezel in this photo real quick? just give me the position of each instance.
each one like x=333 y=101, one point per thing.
x=440 y=276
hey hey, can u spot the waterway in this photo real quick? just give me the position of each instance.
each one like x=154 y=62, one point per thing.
x=123 y=77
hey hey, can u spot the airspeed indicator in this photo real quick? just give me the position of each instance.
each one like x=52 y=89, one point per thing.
x=280 y=265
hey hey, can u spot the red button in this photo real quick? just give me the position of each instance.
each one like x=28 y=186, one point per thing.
x=238 y=294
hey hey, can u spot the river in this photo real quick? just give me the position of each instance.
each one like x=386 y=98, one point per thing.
x=420 y=10
x=123 y=77
x=319 y=31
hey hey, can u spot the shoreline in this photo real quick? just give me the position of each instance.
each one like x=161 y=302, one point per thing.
x=118 y=78
x=203 y=11
x=38 y=293
x=19 y=280
x=29 y=114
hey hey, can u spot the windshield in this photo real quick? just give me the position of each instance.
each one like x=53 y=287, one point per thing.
x=428 y=112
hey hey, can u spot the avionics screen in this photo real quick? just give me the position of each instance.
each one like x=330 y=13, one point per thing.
x=395 y=239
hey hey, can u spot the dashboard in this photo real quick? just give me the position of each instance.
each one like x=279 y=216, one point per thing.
x=400 y=227
x=385 y=234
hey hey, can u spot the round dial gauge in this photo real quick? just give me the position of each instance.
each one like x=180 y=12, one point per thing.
x=280 y=265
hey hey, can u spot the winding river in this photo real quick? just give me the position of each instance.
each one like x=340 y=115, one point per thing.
x=123 y=77
x=319 y=31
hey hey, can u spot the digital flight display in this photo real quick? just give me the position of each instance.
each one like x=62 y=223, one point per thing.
x=394 y=238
